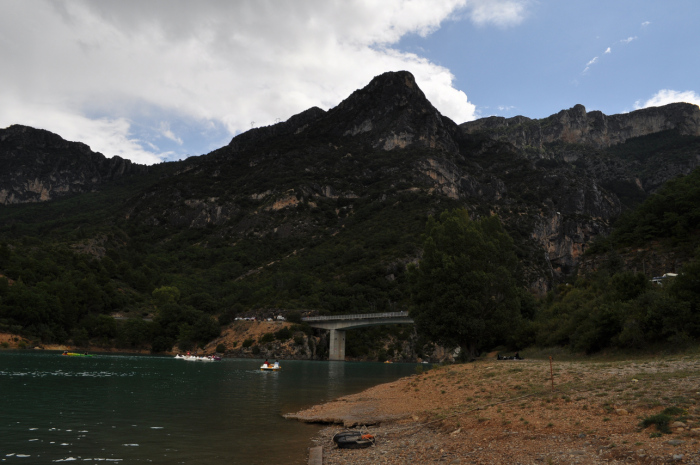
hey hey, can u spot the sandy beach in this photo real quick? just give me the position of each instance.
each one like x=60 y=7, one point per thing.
x=506 y=412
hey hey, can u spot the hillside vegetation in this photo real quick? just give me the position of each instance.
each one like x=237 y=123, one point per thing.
x=325 y=212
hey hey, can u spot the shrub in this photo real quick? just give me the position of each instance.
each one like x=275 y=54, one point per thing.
x=221 y=348
x=294 y=317
x=248 y=342
x=283 y=334
x=267 y=337
x=661 y=420
x=256 y=350
x=161 y=344
x=674 y=411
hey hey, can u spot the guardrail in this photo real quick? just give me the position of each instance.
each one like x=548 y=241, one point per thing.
x=357 y=316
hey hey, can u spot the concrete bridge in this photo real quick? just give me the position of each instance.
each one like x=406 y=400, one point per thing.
x=338 y=324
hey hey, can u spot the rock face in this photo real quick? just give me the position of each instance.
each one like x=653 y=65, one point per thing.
x=557 y=183
x=576 y=126
x=39 y=165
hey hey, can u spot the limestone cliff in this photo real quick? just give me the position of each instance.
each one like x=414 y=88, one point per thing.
x=576 y=126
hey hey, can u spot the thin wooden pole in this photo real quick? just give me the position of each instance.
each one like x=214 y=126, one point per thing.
x=551 y=371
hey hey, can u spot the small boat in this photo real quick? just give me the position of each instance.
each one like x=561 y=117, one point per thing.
x=353 y=440
x=75 y=354
x=198 y=358
x=270 y=367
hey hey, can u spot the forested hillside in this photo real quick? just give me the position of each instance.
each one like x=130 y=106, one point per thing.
x=324 y=212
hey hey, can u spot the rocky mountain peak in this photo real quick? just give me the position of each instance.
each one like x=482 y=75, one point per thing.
x=393 y=112
x=39 y=165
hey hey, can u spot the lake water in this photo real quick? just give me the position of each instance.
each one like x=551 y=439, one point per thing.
x=159 y=410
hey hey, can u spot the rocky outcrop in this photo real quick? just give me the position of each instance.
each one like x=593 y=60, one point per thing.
x=576 y=126
x=294 y=125
x=392 y=112
x=39 y=166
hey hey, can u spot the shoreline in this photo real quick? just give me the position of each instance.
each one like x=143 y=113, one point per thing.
x=494 y=411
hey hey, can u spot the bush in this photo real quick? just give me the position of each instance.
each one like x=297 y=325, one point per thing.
x=248 y=343
x=221 y=348
x=267 y=337
x=294 y=317
x=80 y=337
x=256 y=350
x=161 y=344
x=283 y=334
x=661 y=420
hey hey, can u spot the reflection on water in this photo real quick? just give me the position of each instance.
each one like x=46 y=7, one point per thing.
x=148 y=409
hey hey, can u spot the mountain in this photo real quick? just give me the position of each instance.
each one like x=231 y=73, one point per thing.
x=364 y=175
x=576 y=126
x=39 y=166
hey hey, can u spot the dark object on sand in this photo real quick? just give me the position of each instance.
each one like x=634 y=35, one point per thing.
x=353 y=440
x=506 y=357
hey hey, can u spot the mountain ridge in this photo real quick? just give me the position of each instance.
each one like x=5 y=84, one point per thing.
x=58 y=167
x=558 y=183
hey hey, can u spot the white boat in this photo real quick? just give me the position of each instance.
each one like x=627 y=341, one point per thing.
x=197 y=358
x=270 y=366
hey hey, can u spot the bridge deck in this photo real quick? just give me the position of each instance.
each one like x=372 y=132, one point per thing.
x=356 y=316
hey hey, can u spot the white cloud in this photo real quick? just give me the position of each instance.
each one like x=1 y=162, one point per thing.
x=628 y=40
x=666 y=96
x=588 y=65
x=607 y=51
x=164 y=129
x=88 y=70
x=646 y=23
x=109 y=136
x=502 y=13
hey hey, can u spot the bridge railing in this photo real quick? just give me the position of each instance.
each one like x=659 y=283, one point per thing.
x=357 y=316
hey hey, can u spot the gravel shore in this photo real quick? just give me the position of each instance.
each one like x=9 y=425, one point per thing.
x=506 y=412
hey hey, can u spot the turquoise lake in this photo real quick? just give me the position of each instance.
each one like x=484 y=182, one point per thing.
x=159 y=410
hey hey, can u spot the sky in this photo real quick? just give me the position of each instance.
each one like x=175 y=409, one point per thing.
x=162 y=80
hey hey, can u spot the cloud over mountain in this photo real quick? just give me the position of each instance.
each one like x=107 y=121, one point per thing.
x=138 y=78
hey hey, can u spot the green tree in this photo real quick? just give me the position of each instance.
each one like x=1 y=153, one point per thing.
x=463 y=289
x=165 y=295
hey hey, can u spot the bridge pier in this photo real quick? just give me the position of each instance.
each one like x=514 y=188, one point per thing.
x=336 y=345
x=339 y=324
